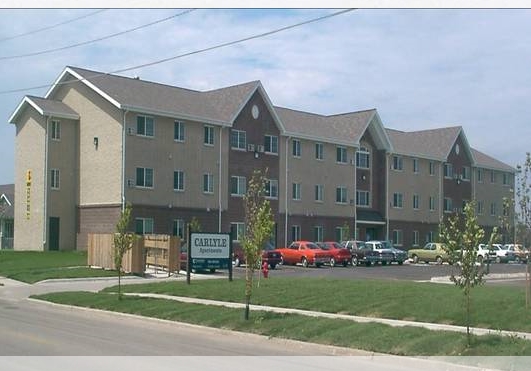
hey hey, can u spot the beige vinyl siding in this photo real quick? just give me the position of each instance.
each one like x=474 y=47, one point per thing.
x=29 y=155
x=491 y=192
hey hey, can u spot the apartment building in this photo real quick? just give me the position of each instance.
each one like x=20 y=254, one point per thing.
x=97 y=141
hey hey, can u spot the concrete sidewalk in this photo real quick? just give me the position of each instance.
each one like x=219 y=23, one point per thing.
x=390 y=322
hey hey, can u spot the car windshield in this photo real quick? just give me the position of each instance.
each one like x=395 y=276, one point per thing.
x=312 y=246
x=361 y=245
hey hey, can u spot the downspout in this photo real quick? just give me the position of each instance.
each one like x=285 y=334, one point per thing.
x=286 y=195
x=123 y=159
x=220 y=174
x=441 y=190
x=387 y=174
x=355 y=196
x=45 y=167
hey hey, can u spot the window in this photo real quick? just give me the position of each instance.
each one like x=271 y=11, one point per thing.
x=341 y=234
x=432 y=203
x=466 y=173
x=296 y=148
x=362 y=198
x=506 y=179
x=179 y=228
x=319 y=192
x=295 y=232
x=398 y=200
x=238 y=230
x=144 y=126
x=480 y=175
x=238 y=139
x=362 y=158
x=318 y=151
x=178 y=131
x=318 y=233
x=492 y=176
x=144 y=177
x=341 y=155
x=55 y=179
x=429 y=237
x=415 y=238
x=432 y=168
x=480 y=209
x=505 y=210
x=238 y=185
x=448 y=170
x=397 y=237
x=397 y=163
x=208 y=183
x=208 y=137
x=493 y=209
x=296 y=191
x=416 y=165
x=178 y=180
x=271 y=144
x=341 y=195
x=447 y=205
x=56 y=130
x=415 y=202
x=271 y=189
x=144 y=226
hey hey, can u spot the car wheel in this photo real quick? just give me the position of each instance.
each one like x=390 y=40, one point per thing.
x=517 y=260
x=498 y=260
x=415 y=259
x=304 y=262
x=273 y=266
x=332 y=262
x=237 y=262
x=345 y=263
x=281 y=260
x=438 y=260
x=355 y=261
x=317 y=265
x=480 y=258
x=368 y=264
x=384 y=263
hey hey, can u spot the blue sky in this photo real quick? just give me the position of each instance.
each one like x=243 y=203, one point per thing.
x=420 y=69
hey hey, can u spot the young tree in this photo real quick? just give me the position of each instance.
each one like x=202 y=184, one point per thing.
x=258 y=228
x=461 y=235
x=523 y=200
x=195 y=225
x=122 y=242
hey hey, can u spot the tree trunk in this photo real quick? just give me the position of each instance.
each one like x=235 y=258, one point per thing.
x=248 y=289
x=528 y=285
x=467 y=293
x=119 y=284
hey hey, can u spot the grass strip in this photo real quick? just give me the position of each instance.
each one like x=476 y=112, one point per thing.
x=493 y=307
x=409 y=341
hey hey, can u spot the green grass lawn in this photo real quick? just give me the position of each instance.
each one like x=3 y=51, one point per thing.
x=499 y=308
x=375 y=337
x=33 y=266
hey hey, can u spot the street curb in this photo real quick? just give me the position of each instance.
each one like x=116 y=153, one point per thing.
x=492 y=276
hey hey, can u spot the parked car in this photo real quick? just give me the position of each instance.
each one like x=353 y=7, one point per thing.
x=386 y=254
x=484 y=253
x=431 y=252
x=339 y=254
x=502 y=255
x=269 y=254
x=520 y=254
x=360 y=253
x=399 y=256
x=304 y=252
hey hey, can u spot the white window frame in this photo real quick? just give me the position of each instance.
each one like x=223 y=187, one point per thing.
x=448 y=170
x=492 y=176
x=238 y=140
x=480 y=175
x=447 y=205
x=179 y=228
x=341 y=155
x=318 y=193
x=432 y=203
x=505 y=179
x=480 y=208
x=296 y=232
x=271 y=144
x=296 y=191
x=415 y=238
x=493 y=209
x=416 y=202
x=431 y=168
x=144 y=181
x=398 y=200
x=271 y=189
x=239 y=229
x=208 y=183
x=362 y=195
x=318 y=233
x=180 y=182
x=178 y=131
x=319 y=151
x=55 y=179
x=296 y=148
x=416 y=166
x=466 y=173
x=144 y=125
x=398 y=163
x=241 y=185
x=56 y=130
x=146 y=222
x=363 y=158
x=398 y=237
x=208 y=135
x=342 y=192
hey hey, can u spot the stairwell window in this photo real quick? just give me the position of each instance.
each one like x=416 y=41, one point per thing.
x=145 y=126
x=362 y=198
x=271 y=144
x=238 y=185
x=238 y=140
x=448 y=171
x=362 y=158
x=56 y=130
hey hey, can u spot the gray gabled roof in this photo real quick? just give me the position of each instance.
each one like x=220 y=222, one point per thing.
x=485 y=161
x=7 y=191
x=346 y=128
x=218 y=106
x=433 y=144
x=46 y=107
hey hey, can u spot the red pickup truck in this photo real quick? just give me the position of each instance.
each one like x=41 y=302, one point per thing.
x=304 y=252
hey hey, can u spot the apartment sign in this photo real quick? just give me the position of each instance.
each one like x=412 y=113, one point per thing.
x=28 y=194
x=210 y=251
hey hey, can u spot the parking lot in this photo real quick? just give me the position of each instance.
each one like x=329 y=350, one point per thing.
x=407 y=271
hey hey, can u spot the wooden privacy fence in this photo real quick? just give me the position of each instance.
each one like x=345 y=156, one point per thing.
x=162 y=251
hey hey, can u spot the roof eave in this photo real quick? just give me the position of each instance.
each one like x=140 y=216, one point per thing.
x=176 y=115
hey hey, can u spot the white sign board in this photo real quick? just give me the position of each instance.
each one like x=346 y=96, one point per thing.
x=210 y=246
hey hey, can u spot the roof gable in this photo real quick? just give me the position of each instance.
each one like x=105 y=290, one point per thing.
x=484 y=161
x=45 y=107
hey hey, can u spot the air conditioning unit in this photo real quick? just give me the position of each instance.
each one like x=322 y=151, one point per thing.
x=352 y=161
x=260 y=148
x=130 y=131
x=250 y=148
x=351 y=201
x=130 y=183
